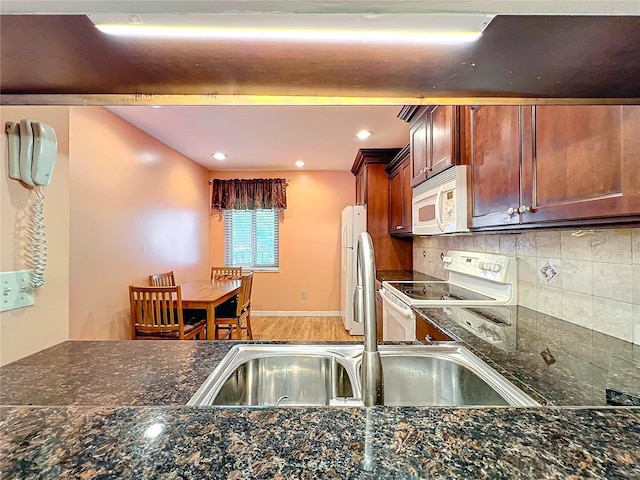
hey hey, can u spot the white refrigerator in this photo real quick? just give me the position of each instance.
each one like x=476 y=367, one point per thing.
x=354 y=222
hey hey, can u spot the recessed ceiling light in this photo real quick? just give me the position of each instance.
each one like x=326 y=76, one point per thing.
x=299 y=163
x=219 y=156
x=156 y=106
x=362 y=134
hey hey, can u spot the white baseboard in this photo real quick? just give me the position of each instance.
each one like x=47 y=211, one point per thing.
x=289 y=313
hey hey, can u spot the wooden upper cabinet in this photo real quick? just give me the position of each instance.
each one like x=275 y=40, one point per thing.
x=443 y=138
x=360 y=186
x=370 y=168
x=433 y=139
x=399 y=170
x=418 y=144
x=553 y=165
x=395 y=201
x=580 y=162
x=492 y=149
x=407 y=194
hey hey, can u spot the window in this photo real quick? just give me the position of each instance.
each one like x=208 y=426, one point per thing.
x=251 y=239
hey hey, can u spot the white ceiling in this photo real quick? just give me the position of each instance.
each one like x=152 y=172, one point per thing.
x=503 y=7
x=270 y=137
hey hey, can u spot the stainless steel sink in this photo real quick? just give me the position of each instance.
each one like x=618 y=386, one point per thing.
x=444 y=375
x=317 y=375
x=282 y=375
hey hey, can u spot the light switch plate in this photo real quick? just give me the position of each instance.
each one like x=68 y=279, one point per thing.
x=15 y=290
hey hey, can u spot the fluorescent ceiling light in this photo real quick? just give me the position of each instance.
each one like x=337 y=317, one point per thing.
x=390 y=28
x=362 y=134
x=299 y=163
x=219 y=156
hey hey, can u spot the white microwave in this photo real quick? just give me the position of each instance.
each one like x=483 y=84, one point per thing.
x=439 y=205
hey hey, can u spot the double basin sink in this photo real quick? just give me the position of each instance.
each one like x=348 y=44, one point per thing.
x=268 y=375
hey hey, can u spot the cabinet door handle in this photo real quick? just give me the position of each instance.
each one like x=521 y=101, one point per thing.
x=524 y=209
x=399 y=227
x=428 y=338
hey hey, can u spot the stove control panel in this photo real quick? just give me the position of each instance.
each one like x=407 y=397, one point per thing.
x=486 y=265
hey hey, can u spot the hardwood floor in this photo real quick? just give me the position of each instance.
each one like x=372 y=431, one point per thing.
x=300 y=329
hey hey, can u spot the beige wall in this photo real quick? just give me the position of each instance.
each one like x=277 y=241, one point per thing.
x=27 y=330
x=598 y=280
x=309 y=242
x=137 y=208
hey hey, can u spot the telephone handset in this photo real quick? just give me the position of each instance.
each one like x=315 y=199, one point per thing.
x=33 y=149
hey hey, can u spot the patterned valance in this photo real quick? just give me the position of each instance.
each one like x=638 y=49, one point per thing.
x=248 y=194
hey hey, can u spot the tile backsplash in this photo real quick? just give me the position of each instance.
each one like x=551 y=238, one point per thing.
x=597 y=284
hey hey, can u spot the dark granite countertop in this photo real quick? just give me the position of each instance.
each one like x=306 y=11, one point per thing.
x=322 y=443
x=113 y=410
x=554 y=361
x=111 y=373
x=404 y=275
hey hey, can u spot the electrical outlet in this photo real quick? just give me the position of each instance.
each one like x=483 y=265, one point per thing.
x=303 y=294
x=15 y=290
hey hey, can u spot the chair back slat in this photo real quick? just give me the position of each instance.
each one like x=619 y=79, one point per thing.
x=226 y=273
x=166 y=279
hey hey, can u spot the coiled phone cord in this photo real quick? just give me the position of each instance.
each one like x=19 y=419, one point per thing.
x=35 y=231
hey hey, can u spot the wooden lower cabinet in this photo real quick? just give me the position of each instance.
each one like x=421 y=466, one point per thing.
x=428 y=332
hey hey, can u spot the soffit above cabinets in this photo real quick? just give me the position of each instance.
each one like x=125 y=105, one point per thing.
x=50 y=59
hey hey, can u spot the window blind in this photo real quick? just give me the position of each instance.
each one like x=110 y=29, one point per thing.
x=251 y=239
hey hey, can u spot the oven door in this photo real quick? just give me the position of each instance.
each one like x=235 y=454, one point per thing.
x=398 y=320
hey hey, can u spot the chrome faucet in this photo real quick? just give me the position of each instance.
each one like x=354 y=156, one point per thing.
x=365 y=311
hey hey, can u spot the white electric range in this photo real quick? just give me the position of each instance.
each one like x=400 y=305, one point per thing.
x=474 y=280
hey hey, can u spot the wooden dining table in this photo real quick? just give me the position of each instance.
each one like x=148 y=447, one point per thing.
x=207 y=295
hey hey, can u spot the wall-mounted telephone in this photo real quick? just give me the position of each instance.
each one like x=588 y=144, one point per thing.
x=33 y=149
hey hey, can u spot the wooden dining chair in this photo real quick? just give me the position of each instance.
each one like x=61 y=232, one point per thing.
x=166 y=279
x=236 y=313
x=226 y=273
x=156 y=314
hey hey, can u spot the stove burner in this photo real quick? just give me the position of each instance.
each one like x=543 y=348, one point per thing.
x=413 y=293
x=438 y=291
